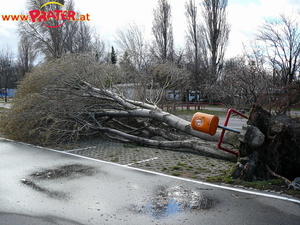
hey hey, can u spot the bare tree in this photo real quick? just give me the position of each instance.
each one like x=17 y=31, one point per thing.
x=170 y=77
x=282 y=44
x=98 y=48
x=193 y=38
x=26 y=56
x=8 y=71
x=244 y=81
x=131 y=39
x=196 y=50
x=150 y=80
x=163 y=32
x=215 y=30
x=71 y=37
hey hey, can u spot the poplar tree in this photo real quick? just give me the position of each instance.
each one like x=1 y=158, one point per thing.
x=113 y=56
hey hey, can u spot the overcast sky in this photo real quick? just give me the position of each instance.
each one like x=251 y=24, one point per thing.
x=106 y=16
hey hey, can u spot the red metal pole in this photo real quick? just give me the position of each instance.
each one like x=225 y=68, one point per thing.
x=223 y=131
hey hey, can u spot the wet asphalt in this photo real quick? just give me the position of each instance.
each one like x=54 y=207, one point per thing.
x=45 y=187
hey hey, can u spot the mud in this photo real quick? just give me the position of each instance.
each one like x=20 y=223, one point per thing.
x=70 y=171
x=52 y=194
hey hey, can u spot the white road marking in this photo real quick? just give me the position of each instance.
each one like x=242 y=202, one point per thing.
x=80 y=149
x=142 y=161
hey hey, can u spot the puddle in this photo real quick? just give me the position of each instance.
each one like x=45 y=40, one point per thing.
x=64 y=171
x=67 y=171
x=169 y=201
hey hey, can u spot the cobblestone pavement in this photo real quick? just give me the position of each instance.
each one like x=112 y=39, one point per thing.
x=176 y=163
x=180 y=163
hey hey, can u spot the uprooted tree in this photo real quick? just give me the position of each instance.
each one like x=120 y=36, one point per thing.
x=279 y=154
x=75 y=97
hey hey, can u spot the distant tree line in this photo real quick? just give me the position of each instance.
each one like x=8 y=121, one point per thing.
x=267 y=65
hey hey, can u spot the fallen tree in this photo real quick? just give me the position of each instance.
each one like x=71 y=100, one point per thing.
x=74 y=97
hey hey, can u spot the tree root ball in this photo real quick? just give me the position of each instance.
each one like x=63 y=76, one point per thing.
x=279 y=154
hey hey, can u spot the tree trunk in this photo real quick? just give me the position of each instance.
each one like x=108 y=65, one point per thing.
x=278 y=156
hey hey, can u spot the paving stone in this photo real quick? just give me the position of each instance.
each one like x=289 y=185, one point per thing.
x=178 y=163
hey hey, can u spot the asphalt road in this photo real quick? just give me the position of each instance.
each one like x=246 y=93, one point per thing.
x=44 y=187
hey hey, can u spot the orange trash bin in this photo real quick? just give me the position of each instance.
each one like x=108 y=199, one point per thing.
x=205 y=123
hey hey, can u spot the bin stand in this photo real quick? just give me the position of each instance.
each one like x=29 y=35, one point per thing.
x=224 y=128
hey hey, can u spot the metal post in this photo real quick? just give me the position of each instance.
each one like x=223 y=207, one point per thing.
x=230 y=129
x=223 y=131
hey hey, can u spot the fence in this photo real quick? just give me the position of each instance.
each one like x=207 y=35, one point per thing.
x=175 y=106
x=181 y=106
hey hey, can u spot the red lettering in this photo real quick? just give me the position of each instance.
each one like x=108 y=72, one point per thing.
x=24 y=17
x=51 y=15
x=15 y=17
x=64 y=15
x=34 y=14
x=43 y=16
x=71 y=15
x=58 y=14
x=88 y=17
x=5 y=17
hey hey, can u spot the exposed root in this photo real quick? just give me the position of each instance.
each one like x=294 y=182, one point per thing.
x=287 y=181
